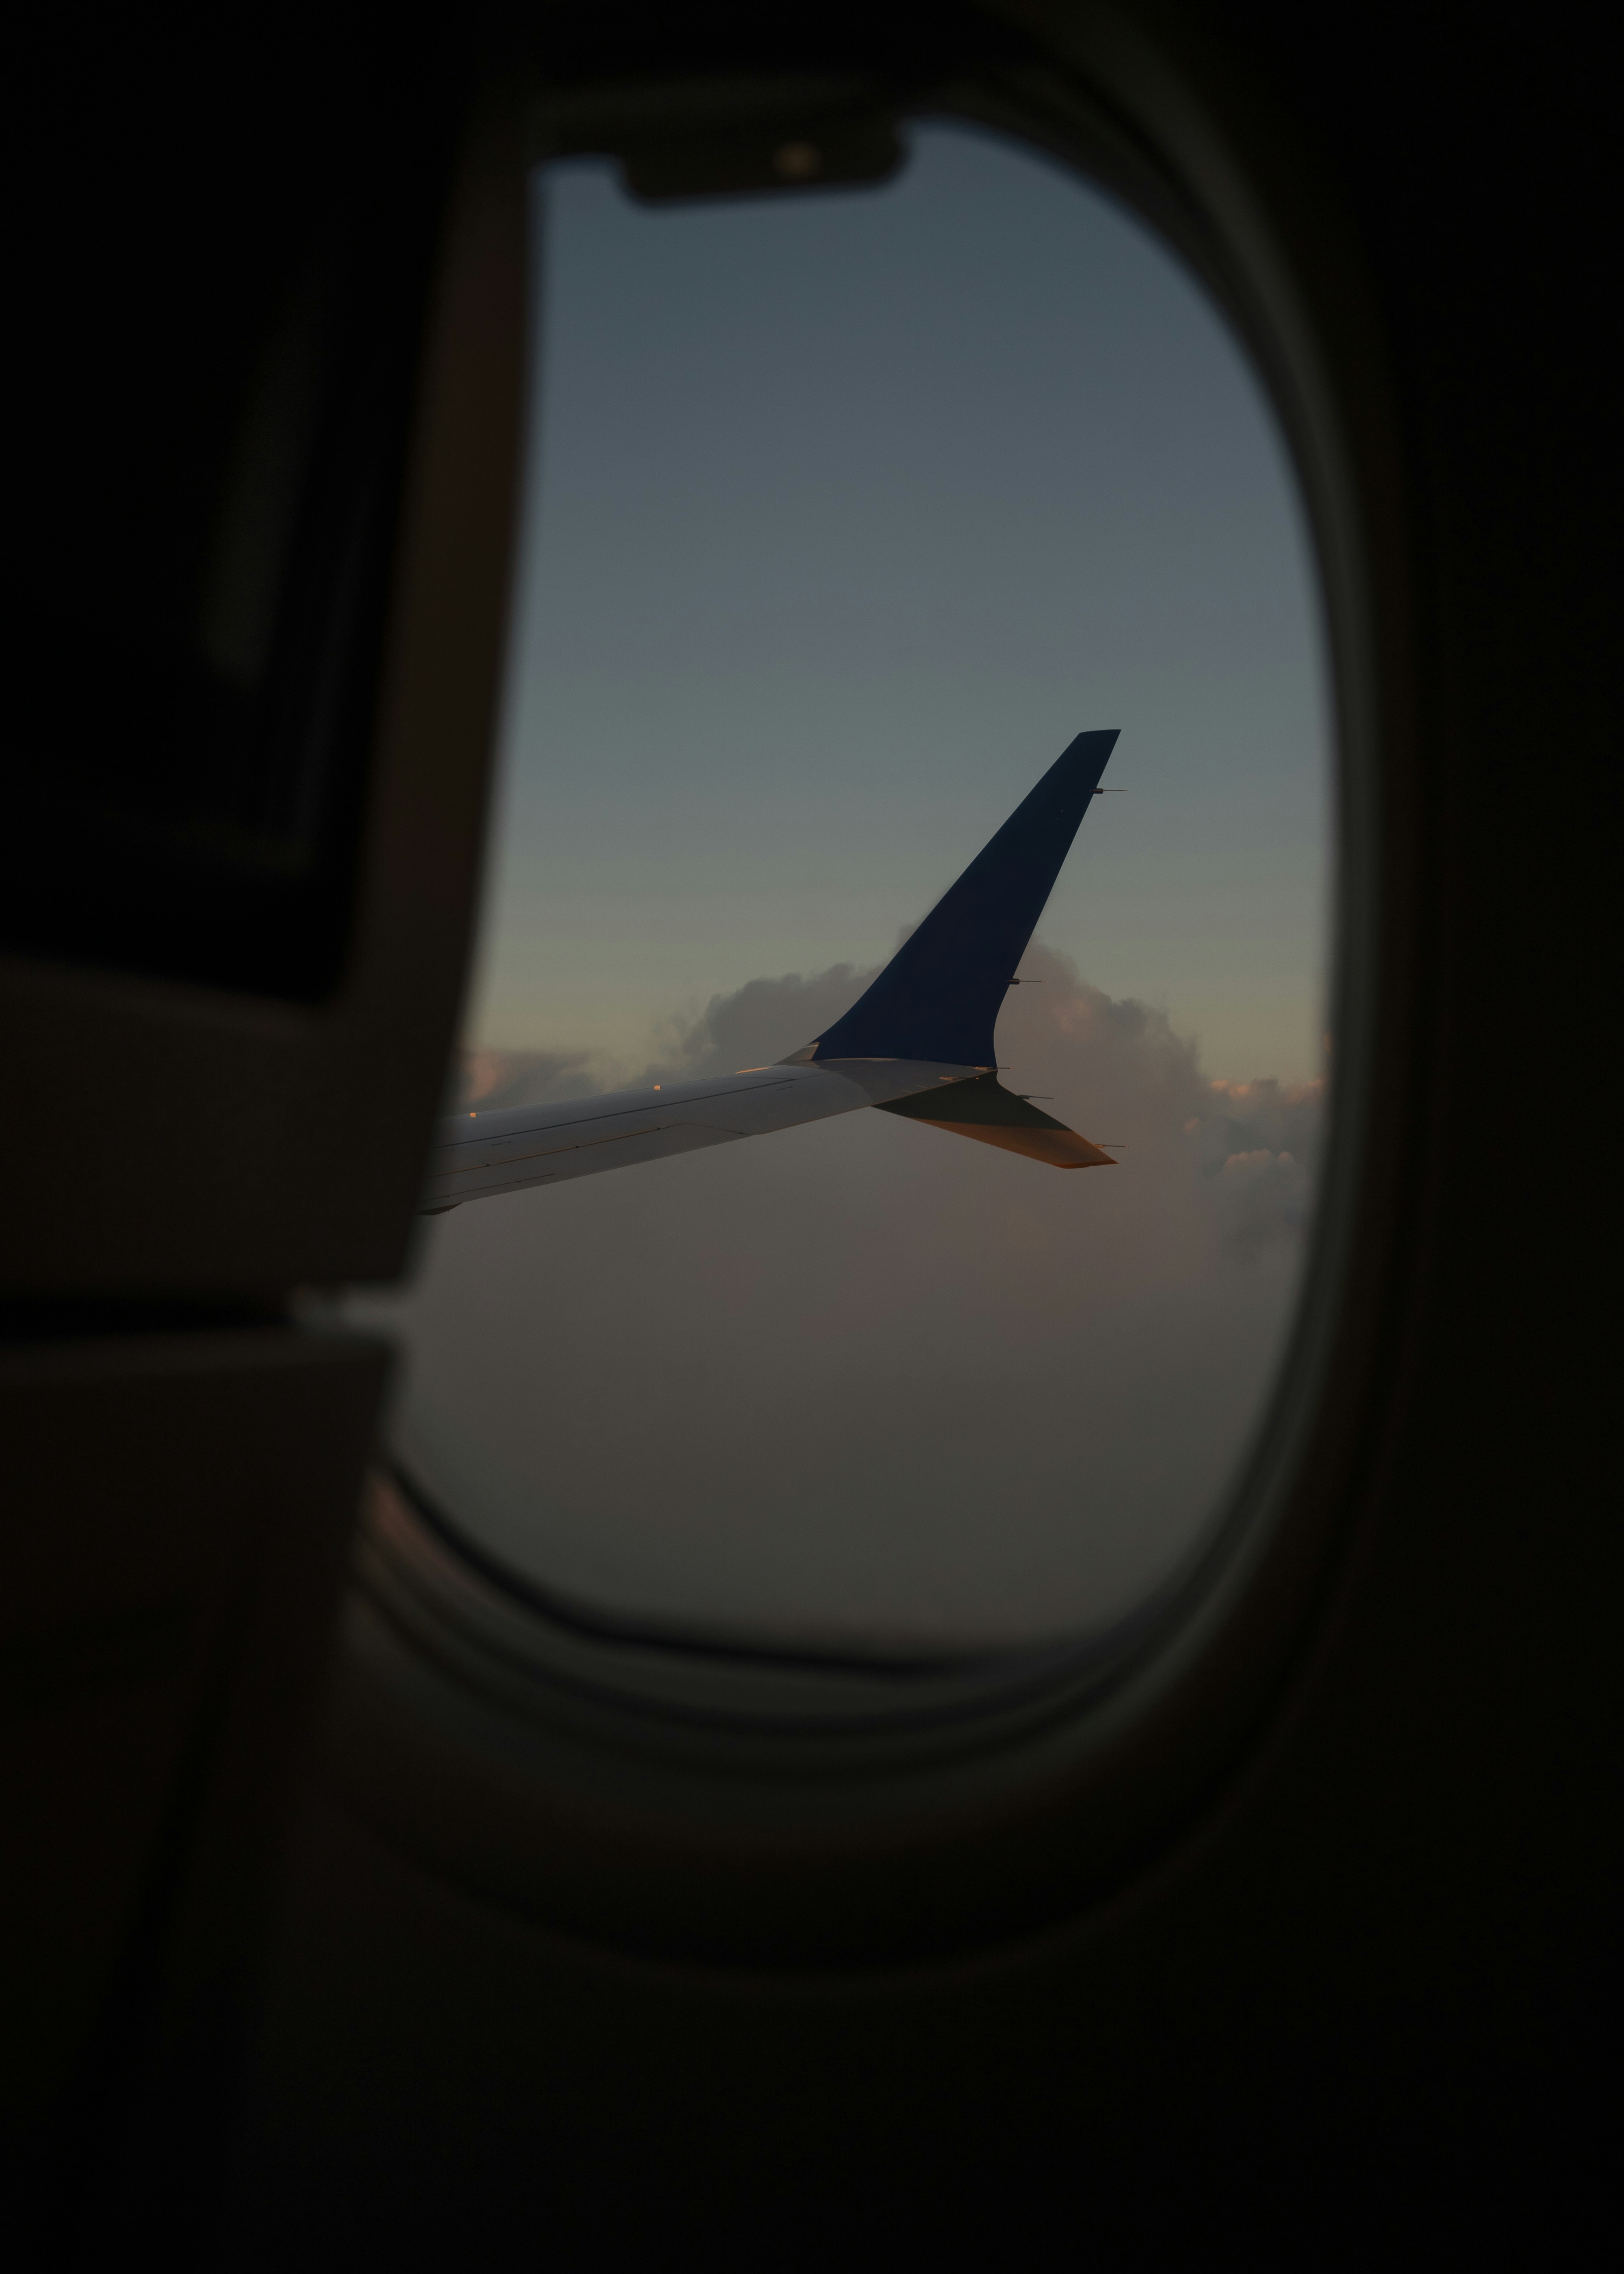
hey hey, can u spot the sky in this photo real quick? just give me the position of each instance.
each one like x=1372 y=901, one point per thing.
x=844 y=515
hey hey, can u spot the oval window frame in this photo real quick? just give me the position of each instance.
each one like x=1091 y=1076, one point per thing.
x=675 y=1796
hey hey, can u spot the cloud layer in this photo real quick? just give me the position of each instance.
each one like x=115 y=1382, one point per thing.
x=864 y=1378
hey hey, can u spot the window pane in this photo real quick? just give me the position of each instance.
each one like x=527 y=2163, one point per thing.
x=848 y=512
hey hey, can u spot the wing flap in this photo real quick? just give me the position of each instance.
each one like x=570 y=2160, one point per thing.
x=992 y=1114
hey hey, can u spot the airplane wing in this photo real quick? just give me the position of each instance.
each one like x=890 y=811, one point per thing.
x=918 y=1042
x=502 y=1151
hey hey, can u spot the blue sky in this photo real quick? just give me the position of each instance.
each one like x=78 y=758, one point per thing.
x=847 y=512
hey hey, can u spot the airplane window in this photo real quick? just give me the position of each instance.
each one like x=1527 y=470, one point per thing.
x=849 y=514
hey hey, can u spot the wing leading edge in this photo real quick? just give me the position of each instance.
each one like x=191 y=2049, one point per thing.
x=918 y=1043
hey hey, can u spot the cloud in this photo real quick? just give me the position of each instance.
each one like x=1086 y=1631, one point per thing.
x=1252 y=1147
x=764 y=1020
x=496 y=1078
x=865 y=1378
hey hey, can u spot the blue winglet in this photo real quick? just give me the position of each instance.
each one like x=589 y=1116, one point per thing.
x=940 y=994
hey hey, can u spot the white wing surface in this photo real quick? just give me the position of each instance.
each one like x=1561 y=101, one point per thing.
x=477 y=1154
